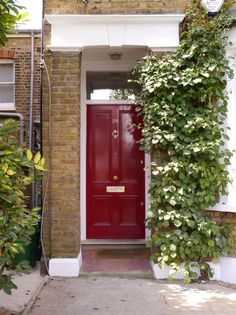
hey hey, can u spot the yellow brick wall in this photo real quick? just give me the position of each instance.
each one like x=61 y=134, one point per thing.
x=62 y=223
x=114 y=6
x=22 y=60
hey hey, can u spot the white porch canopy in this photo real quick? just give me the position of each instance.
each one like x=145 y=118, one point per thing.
x=75 y=32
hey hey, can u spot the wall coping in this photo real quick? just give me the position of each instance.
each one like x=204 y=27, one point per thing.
x=154 y=30
x=113 y=18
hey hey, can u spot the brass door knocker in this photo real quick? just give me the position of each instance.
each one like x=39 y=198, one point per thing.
x=115 y=134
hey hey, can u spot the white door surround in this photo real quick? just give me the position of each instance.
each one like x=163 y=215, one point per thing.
x=99 y=60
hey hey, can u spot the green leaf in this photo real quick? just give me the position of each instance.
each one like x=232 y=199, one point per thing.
x=211 y=243
x=191 y=223
x=205 y=74
x=11 y=172
x=166 y=217
x=198 y=80
x=37 y=157
x=173 y=254
x=39 y=167
x=172 y=202
x=42 y=161
x=29 y=154
x=173 y=247
x=163 y=247
x=177 y=223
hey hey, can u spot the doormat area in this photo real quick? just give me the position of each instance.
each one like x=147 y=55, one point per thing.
x=121 y=253
x=115 y=260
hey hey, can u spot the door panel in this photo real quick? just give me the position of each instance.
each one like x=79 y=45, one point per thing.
x=101 y=149
x=129 y=211
x=101 y=207
x=114 y=160
x=130 y=155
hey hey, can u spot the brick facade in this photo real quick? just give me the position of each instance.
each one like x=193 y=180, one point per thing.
x=21 y=44
x=62 y=224
x=115 y=6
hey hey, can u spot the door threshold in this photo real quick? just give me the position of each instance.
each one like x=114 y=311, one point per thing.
x=114 y=242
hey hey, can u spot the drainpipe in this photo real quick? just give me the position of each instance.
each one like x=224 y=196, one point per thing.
x=44 y=269
x=31 y=93
x=21 y=119
x=31 y=118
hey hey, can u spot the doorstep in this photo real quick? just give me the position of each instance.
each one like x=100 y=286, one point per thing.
x=131 y=242
x=115 y=260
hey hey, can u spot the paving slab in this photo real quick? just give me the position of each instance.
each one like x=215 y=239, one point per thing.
x=128 y=295
x=27 y=285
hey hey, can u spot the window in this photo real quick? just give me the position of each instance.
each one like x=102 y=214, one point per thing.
x=109 y=86
x=7 y=85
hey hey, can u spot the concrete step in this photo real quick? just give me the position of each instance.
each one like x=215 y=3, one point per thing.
x=115 y=259
x=127 y=275
x=111 y=244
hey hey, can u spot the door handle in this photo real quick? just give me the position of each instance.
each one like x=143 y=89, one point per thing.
x=115 y=177
x=141 y=203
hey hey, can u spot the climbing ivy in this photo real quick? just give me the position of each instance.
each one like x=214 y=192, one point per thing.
x=184 y=105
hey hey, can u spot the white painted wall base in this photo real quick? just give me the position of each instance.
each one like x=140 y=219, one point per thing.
x=224 y=270
x=65 y=267
x=163 y=273
x=228 y=269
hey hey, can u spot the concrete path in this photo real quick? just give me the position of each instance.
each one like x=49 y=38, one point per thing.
x=128 y=296
x=27 y=284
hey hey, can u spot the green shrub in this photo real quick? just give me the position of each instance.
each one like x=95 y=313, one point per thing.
x=17 y=222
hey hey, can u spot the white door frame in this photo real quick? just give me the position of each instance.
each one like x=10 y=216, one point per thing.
x=99 y=66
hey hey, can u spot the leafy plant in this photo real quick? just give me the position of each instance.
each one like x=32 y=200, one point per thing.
x=184 y=105
x=9 y=17
x=17 y=222
x=121 y=94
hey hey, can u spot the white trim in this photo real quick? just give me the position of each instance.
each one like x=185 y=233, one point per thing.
x=113 y=18
x=65 y=48
x=65 y=267
x=99 y=66
x=109 y=102
x=224 y=270
x=223 y=207
x=164 y=49
x=228 y=203
x=8 y=106
x=23 y=35
x=160 y=31
x=6 y=60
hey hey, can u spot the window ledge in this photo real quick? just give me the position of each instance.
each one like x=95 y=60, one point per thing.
x=7 y=106
x=223 y=207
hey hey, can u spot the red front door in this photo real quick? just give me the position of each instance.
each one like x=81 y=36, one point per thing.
x=115 y=175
